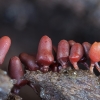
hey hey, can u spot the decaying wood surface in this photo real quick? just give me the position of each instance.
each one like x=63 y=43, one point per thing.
x=68 y=85
x=14 y=97
x=5 y=85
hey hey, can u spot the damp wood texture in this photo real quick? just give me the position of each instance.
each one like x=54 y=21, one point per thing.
x=67 y=85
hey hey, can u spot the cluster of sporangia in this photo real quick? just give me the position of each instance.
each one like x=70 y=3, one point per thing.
x=50 y=58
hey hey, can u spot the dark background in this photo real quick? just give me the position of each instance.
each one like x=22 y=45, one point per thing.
x=26 y=21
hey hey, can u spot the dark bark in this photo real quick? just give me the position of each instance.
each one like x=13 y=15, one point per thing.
x=68 y=85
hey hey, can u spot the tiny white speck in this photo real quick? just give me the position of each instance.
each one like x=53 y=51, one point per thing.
x=5 y=72
x=11 y=81
x=74 y=73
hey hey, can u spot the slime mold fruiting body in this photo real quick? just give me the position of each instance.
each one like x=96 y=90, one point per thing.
x=55 y=59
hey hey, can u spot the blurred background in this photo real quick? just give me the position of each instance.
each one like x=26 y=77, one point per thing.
x=26 y=21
